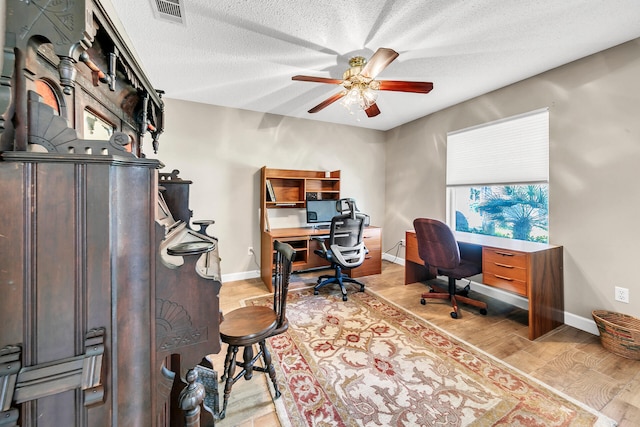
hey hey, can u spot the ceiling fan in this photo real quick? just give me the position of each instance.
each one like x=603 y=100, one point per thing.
x=359 y=84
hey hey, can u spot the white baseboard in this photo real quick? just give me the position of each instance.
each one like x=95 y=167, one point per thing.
x=582 y=323
x=243 y=275
x=392 y=258
x=573 y=320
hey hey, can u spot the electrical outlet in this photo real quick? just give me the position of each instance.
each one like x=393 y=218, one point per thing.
x=622 y=294
x=403 y=242
x=250 y=251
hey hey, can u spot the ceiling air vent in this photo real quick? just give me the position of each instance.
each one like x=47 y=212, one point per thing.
x=169 y=10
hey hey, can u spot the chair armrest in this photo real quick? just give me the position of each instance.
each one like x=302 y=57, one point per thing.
x=321 y=241
x=349 y=256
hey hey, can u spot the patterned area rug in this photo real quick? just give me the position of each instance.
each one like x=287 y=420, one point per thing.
x=366 y=362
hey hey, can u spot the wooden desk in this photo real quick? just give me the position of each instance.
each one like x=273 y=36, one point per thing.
x=531 y=270
x=301 y=239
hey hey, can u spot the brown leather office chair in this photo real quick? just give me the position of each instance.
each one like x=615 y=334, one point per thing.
x=247 y=326
x=438 y=248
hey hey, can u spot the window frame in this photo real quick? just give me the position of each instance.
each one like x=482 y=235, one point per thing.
x=476 y=156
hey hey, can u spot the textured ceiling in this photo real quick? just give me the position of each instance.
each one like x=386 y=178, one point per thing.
x=242 y=53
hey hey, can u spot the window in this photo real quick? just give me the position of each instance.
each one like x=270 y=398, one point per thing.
x=511 y=211
x=497 y=178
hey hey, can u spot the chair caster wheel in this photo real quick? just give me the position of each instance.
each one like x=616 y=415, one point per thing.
x=315 y=292
x=361 y=288
x=423 y=301
x=454 y=315
x=465 y=291
x=431 y=290
x=483 y=311
x=344 y=297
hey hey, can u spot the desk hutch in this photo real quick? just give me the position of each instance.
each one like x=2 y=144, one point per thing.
x=291 y=190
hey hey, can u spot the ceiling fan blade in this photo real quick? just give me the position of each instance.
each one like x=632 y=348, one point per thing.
x=328 y=102
x=378 y=62
x=403 y=86
x=316 y=79
x=372 y=111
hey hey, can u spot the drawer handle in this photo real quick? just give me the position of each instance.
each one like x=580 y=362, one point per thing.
x=504 y=278
x=503 y=265
x=504 y=253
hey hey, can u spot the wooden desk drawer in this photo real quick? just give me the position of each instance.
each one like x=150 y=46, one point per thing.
x=504 y=257
x=372 y=265
x=373 y=261
x=505 y=269
x=506 y=283
x=371 y=239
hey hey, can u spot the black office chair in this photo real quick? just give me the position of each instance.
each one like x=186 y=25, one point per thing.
x=247 y=326
x=438 y=248
x=346 y=248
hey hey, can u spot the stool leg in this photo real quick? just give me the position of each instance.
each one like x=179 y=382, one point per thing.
x=230 y=369
x=247 y=356
x=227 y=360
x=269 y=366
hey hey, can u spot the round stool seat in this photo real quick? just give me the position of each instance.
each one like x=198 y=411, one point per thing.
x=248 y=325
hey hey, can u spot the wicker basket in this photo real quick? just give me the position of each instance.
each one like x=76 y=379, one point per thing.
x=619 y=333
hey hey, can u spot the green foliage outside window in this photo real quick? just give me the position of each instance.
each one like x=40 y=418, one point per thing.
x=512 y=211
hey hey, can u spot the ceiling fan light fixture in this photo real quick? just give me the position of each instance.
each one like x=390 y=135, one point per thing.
x=368 y=97
x=359 y=97
x=359 y=87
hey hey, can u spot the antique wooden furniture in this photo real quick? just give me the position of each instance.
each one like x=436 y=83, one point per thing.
x=175 y=192
x=344 y=248
x=102 y=310
x=528 y=269
x=187 y=315
x=291 y=189
x=438 y=248
x=251 y=325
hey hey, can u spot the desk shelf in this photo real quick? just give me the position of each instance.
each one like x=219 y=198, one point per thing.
x=325 y=187
x=288 y=188
x=301 y=245
x=299 y=204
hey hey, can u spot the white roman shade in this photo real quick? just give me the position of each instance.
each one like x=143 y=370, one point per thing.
x=514 y=150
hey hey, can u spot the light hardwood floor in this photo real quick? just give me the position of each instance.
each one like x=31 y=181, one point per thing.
x=567 y=359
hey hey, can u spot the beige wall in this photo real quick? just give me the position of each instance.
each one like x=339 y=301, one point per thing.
x=222 y=151
x=396 y=176
x=594 y=164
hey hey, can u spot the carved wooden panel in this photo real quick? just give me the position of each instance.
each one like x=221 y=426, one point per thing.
x=79 y=269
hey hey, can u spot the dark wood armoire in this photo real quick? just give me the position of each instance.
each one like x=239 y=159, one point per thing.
x=106 y=300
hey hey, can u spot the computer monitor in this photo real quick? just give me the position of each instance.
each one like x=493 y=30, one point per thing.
x=321 y=211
